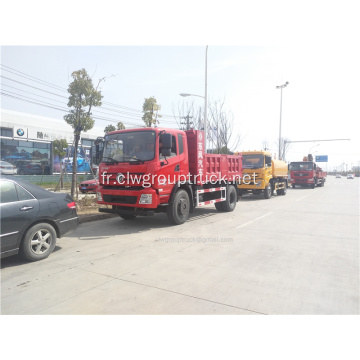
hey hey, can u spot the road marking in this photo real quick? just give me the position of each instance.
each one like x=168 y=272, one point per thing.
x=301 y=198
x=251 y=221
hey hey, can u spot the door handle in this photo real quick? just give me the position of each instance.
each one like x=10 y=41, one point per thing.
x=24 y=208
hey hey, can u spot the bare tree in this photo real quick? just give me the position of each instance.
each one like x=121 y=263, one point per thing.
x=284 y=148
x=265 y=144
x=185 y=111
x=221 y=128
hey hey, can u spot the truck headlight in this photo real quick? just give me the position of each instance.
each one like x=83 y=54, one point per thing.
x=145 y=199
x=99 y=197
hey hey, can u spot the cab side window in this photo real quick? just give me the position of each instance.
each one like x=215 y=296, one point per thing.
x=181 y=144
x=267 y=161
x=173 y=146
x=7 y=192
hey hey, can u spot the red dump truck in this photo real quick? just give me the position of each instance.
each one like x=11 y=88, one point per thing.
x=306 y=173
x=152 y=170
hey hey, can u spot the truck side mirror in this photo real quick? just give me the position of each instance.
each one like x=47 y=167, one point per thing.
x=165 y=151
x=99 y=140
x=166 y=141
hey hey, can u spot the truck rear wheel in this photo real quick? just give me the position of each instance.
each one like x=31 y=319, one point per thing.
x=127 y=217
x=231 y=197
x=293 y=186
x=219 y=206
x=282 y=191
x=268 y=192
x=179 y=207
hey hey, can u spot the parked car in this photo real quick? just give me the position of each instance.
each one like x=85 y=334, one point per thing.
x=338 y=176
x=350 y=176
x=88 y=186
x=33 y=218
x=7 y=168
x=30 y=168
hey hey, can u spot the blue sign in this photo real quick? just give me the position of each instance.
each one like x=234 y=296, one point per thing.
x=321 y=158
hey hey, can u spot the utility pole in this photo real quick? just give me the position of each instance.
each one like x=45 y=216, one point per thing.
x=187 y=118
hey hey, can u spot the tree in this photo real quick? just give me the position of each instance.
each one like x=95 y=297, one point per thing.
x=184 y=110
x=109 y=128
x=220 y=128
x=150 y=110
x=284 y=148
x=59 y=149
x=120 y=126
x=83 y=96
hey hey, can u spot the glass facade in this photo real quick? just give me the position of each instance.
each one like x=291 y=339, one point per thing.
x=30 y=158
x=36 y=158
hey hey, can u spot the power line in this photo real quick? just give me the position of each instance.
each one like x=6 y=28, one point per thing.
x=46 y=83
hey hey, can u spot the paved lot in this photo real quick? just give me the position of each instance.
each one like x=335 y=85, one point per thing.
x=293 y=254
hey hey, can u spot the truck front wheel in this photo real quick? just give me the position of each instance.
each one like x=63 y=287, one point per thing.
x=268 y=192
x=179 y=207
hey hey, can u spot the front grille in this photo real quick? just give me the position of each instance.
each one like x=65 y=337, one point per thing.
x=126 y=188
x=120 y=199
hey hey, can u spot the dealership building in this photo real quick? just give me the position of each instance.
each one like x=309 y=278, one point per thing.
x=26 y=142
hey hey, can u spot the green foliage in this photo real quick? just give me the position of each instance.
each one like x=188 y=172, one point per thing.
x=150 y=110
x=59 y=147
x=109 y=128
x=83 y=96
x=120 y=126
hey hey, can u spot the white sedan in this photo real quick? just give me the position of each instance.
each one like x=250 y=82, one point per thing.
x=7 y=168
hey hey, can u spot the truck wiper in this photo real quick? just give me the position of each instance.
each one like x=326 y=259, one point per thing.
x=112 y=160
x=132 y=159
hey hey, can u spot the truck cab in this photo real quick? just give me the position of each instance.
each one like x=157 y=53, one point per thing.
x=306 y=173
x=262 y=174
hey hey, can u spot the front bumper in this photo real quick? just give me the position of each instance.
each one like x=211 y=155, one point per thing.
x=128 y=198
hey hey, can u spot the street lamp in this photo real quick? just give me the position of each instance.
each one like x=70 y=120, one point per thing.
x=281 y=87
x=204 y=97
x=312 y=148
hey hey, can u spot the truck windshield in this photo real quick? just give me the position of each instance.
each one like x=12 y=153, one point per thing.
x=129 y=147
x=301 y=165
x=253 y=161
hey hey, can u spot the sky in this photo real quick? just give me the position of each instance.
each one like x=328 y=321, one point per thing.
x=320 y=102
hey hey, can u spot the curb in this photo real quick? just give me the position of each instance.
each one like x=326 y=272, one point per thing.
x=84 y=218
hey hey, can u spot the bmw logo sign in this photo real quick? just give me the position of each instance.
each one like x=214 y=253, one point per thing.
x=20 y=132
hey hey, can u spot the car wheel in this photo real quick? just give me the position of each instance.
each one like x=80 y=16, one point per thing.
x=39 y=242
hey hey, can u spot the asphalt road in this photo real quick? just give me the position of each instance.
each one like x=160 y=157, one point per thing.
x=293 y=254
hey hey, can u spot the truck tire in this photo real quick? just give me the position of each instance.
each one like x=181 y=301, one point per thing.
x=322 y=182
x=127 y=217
x=268 y=191
x=231 y=197
x=313 y=184
x=282 y=191
x=293 y=186
x=219 y=206
x=179 y=208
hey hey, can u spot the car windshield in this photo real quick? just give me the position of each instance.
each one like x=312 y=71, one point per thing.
x=254 y=161
x=301 y=165
x=128 y=146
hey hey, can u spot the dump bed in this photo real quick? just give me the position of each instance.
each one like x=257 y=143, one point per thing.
x=210 y=167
